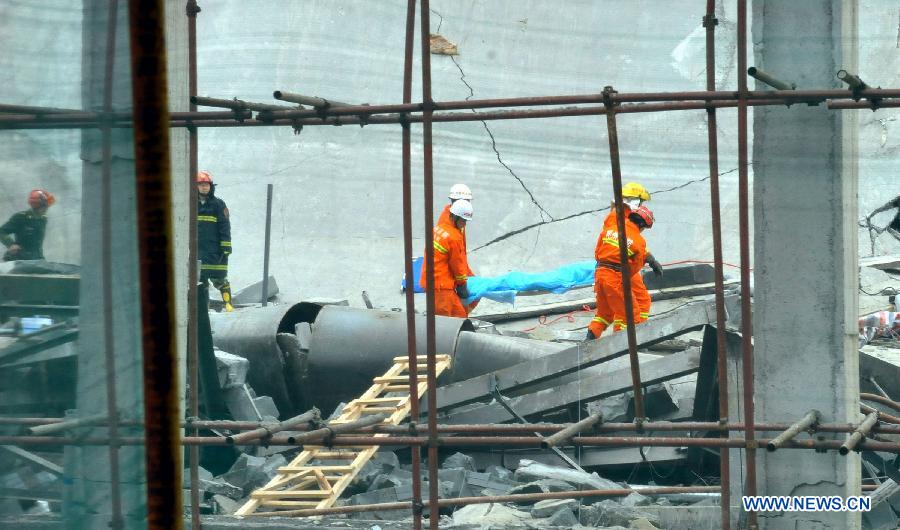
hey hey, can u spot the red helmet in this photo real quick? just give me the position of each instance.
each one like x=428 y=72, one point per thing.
x=204 y=176
x=40 y=199
x=644 y=213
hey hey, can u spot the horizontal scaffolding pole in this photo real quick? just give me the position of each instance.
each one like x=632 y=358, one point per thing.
x=479 y=441
x=493 y=428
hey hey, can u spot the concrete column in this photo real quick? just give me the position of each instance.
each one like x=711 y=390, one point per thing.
x=805 y=253
x=87 y=498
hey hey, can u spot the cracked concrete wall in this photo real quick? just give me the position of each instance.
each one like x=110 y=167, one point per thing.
x=337 y=215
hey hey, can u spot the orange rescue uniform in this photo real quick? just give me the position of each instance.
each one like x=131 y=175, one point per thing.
x=608 y=276
x=451 y=268
x=639 y=294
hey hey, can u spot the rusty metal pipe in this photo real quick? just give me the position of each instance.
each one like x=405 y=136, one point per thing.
x=193 y=364
x=870 y=104
x=566 y=434
x=411 y=347
x=266 y=431
x=26 y=109
x=60 y=426
x=613 y=137
x=809 y=421
x=759 y=75
x=880 y=399
x=330 y=430
x=859 y=434
x=744 y=228
x=516 y=498
x=710 y=22
x=882 y=416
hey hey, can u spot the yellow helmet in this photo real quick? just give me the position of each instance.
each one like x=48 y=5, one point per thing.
x=635 y=191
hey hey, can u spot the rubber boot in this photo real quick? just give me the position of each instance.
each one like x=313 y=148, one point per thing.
x=226 y=297
x=590 y=336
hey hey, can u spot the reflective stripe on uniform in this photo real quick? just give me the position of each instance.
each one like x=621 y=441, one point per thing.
x=208 y=218
x=206 y=267
x=615 y=243
x=225 y=243
x=645 y=315
x=439 y=248
x=462 y=277
x=600 y=320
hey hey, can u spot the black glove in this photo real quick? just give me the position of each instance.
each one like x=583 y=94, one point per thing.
x=655 y=265
x=462 y=291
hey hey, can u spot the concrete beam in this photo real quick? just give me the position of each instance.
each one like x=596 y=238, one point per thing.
x=608 y=384
x=688 y=318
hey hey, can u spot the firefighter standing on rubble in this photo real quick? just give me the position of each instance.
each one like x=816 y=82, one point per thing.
x=608 y=275
x=633 y=196
x=451 y=268
x=23 y=233
x=213 y=237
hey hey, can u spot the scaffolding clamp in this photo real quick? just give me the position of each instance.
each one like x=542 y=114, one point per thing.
x=710 y=21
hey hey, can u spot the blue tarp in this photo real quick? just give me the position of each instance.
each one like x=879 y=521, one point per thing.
x=503 y=288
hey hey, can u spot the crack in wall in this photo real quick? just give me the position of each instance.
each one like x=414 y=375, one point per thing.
x=462 y=77
x=586 y=212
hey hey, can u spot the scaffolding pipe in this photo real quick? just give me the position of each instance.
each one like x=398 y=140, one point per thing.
x=318 y=103
x=807 y=422
x=744 y=222
x=566 y=434
x=759 y=75
x=880 y=399
x=329 y=431
x=266 y=431
x=411 y=347
x=193 y=360
x=859 y=434
x=625 y=270
x=237 y=104
x=709 y=22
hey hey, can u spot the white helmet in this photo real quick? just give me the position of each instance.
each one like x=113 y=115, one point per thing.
x=462 y=208
x=460 y=191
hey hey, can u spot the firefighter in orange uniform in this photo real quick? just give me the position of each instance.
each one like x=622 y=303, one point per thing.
x=633 y=196
x=451 y=268
x=608 y=275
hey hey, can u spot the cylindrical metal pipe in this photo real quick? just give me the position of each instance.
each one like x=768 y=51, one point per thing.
x=880 y=399
x=812 y=417
x=859 y=434
x=252 y=333
x=411 y=346
x=853 y=81
x=273 y=428
x=870 y=104
x=319 y=103
x=330 y=430
x=566 y=434
x=64 y=425
x=613 y=137
x=193 y=358
x=238 y=104
x=758 y=74
x=368 y=340
x=265 y=278
x=154 y=231
x=744 y=229
x=710 y=22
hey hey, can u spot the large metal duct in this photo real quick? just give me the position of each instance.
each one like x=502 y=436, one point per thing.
x=350 y=346
x=251 y=333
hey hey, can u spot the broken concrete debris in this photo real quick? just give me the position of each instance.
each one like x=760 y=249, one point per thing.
x=548 y=507
x=530 y=471
x=232 y=369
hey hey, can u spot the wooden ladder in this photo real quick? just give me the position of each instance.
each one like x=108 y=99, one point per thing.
x=316 y=478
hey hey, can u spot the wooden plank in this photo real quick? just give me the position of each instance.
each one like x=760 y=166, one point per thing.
x=304 y=494
x=312 y=468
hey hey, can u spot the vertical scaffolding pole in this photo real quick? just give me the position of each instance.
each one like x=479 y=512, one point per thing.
x=744 y=214
x=154 y=209
x=613 y=136
x=415 y=451
x=265 y=279
x=710 y=22
x=106 y=228
x=192 y=9
x=427 y=112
